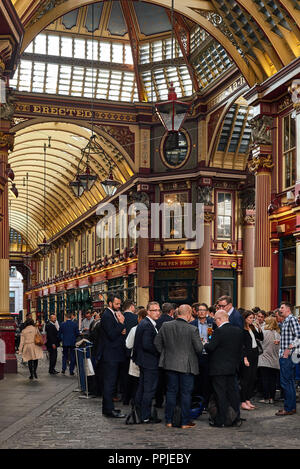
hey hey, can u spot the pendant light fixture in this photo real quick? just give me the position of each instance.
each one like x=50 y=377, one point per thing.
x=85 y=180
x=172 y=112
x=44 y=246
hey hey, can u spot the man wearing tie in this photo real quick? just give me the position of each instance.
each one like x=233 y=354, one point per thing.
x=146 y=356
x=111 y=352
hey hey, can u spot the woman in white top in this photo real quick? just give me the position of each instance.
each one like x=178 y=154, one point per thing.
x=268 y=361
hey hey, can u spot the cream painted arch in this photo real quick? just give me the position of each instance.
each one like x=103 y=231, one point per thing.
x=63 y=207
x=252 y=73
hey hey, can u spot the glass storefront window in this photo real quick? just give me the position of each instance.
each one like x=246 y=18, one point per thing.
x=287 y=269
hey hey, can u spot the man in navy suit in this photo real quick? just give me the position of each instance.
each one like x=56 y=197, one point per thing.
x=146 y=356
x=68 y=332
x=111 y=352
x=235 y=317
x=131 y=320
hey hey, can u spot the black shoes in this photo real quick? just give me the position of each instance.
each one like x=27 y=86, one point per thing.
x=53 y=372
x=115 y=414
x=151 y=420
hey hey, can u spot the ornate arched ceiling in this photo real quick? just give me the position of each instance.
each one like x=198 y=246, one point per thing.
x=260 y=36
x=62 y=159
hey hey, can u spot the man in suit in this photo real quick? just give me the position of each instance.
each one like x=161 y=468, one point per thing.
x=131 y=320
x=52 y=343
x=167 y=315
x=111 y=352
x=179 y=344
x=146 y=356
x=205 y=324
x=68 y=332
x=235 y=317
x=225 y=353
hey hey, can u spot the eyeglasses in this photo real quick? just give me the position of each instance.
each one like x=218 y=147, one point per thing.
x=221 y=306
x=154 y=310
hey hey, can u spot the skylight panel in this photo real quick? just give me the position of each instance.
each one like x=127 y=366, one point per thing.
x=117 y=53
x=66 y=47
x=40 y=44
x=79 y=48
x=53 y=45
x=105 y=51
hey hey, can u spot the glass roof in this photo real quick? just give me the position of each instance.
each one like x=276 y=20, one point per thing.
x=93 y=56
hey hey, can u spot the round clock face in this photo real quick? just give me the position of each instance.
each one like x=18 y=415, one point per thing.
x=175 y=149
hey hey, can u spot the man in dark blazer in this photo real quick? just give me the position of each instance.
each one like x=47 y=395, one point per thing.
x=111 y=352
x=146 y=356
x=225 y=353
x=166 y=316
x=52 y=343
x=235 y=317
x=202 y=385
x=68 y=332
x=179 y=345
x=131 y=320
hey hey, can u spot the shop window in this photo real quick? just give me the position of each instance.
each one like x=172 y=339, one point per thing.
x=99 y=245
x=287 y=269
x=11 y=301
x=83 y=249
x=174 y=220
x=52 y=265
x=224 y=283
x=224 y=215
x=61 y=259
x=46 y=260
x=93 y=247
x=289 y=151
x=72 y=254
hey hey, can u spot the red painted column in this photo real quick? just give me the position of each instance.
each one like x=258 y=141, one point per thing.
x=261 y=164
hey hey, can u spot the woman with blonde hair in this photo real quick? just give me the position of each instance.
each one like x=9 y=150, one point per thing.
x=268 y=361
x=30 y=352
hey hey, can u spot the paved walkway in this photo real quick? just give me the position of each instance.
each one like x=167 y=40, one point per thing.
x=48 y=414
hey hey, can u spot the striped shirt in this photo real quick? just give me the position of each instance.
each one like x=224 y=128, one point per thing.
x=289 y=332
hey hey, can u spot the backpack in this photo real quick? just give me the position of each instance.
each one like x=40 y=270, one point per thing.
x=134 y=417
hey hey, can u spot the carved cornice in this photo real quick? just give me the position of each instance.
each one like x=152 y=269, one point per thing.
x=261 y=132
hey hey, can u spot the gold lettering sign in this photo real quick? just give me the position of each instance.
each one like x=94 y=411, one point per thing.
x=73 y=112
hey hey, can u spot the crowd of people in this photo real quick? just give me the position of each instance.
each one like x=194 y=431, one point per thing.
x=168 y=355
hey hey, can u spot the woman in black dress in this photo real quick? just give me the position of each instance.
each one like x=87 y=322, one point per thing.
x=248 y=369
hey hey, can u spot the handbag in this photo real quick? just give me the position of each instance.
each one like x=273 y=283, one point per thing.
x=38 y=339
x=89 y=367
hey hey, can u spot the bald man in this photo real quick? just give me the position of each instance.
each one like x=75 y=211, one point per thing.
x=179 y=345
x=225 y=353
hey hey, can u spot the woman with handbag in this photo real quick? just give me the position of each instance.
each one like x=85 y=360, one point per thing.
x=31 y=346
x=251 y=333
x=268 y=361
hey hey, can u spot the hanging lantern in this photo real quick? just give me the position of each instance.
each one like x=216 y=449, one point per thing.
x=44 y=247
x=172 y=113
x=110 y=185
x=76 y=187
x=87 y=180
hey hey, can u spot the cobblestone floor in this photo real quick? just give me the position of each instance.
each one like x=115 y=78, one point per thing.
x=74 y=422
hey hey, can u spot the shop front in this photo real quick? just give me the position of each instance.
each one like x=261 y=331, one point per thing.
x=174 y=280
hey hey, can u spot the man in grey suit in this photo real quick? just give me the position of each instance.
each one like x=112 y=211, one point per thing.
x=179 y=344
